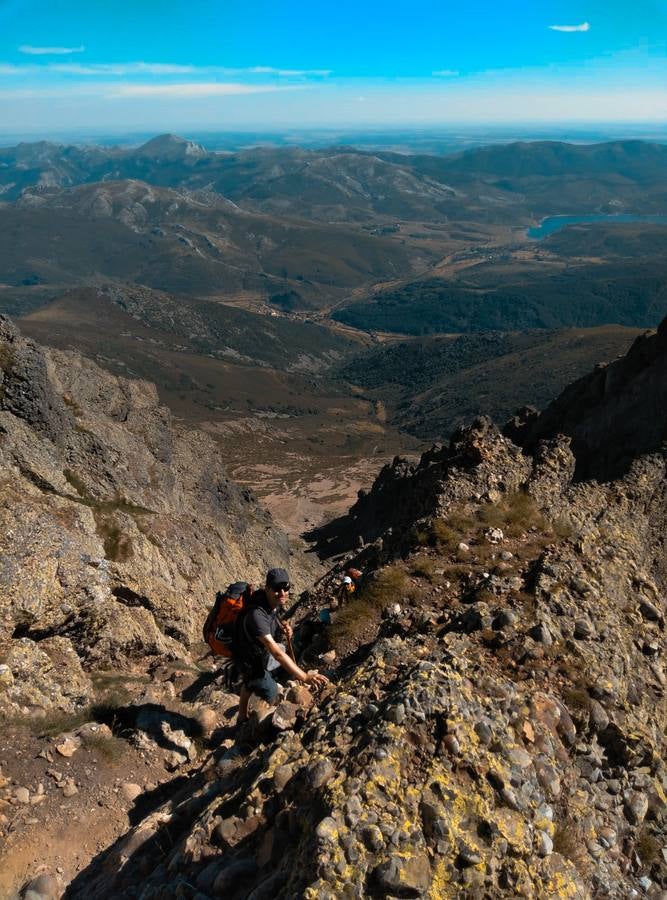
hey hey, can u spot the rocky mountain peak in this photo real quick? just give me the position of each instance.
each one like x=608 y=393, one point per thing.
x=494 y=727
x=170 y=147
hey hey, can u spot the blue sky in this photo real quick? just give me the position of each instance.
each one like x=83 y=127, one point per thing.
x=173 y=65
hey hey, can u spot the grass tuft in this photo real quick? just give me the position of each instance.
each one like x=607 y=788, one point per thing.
x=111 y=749
x=423 y=566
x=648 y=847
x=569 y=842
x=516 y=513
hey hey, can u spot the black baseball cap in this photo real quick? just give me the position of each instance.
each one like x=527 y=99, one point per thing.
x=274 y=577
x=236 y=589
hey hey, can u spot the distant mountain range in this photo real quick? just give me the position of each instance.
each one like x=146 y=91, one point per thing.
x=507 y=183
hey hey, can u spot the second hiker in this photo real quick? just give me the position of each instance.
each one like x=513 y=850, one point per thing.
x=258 y=650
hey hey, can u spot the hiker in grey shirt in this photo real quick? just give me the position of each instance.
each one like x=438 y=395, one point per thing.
x=257 y=647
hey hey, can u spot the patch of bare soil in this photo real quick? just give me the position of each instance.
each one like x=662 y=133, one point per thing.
x=57 y=831
x=68 y=794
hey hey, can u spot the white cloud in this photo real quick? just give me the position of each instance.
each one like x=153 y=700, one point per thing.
x=585 y=26
x=445 y=73
x=269 y=70
x=194 y=89
x=49 y=51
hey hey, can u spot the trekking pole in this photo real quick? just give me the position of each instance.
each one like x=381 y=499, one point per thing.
x=288 y=639
x=290 y=648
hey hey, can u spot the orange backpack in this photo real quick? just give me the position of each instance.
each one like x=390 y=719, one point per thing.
x=219 y=625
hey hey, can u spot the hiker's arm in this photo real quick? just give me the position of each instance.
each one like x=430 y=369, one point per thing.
x=288 y=663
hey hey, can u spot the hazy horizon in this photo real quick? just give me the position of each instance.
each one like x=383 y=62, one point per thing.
x=411 y=136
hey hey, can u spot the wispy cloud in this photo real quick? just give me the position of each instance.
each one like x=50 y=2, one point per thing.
x=121 y=69
x=49 y=51
x=585 y=26
x=293 y=73
x=196 y=89
x=445 y=73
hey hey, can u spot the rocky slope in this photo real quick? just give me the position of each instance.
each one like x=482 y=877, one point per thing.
x=613 y=414
x=117 y=526
x=496 y=726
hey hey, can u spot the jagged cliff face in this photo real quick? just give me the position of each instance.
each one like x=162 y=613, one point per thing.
x=612 y=415
x=117 y=526
x=502 y=735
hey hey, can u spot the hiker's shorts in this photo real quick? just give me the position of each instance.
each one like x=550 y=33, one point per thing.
x=264 y=687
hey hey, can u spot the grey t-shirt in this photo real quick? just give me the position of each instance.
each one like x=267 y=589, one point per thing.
x=259 y=621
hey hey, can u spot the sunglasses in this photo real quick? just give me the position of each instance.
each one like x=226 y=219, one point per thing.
x=283 y=586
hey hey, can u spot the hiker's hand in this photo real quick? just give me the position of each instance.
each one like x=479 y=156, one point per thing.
x=288 y=630
x=316 y=678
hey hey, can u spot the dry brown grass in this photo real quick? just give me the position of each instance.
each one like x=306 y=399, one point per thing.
x=569 y=842
x=577 y=699
x=648 y=847
x=53 y=723
x=111 y=749
x=7 y=358
x=423 y=566
x=362 y=615
x=117 y=545
x=443 y=535
x=516 y=513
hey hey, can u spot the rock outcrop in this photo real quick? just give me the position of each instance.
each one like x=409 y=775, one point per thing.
x=117 y=525
x=612 y=415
